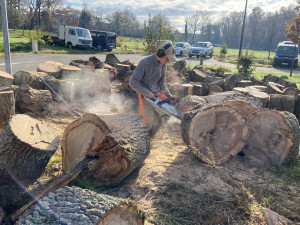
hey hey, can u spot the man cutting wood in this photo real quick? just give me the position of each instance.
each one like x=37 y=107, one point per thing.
x=149 y=77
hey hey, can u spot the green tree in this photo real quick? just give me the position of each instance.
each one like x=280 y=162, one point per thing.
x=155 y=33
x=84 y=18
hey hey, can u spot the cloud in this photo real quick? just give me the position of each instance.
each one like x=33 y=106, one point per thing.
x=177 y=10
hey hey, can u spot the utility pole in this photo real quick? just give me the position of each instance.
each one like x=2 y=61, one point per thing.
x=241 y=42
x=5 y=36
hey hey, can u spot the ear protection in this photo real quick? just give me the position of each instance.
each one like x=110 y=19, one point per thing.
x=161 y=52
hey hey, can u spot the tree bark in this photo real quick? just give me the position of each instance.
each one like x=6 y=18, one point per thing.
x=32 y=100
x=121 y=141
x=215 y=132
x=6 y=79
x=274 y=136
x=71 y=205
x=7 y=106
x=26 y=147
x=282 y=102
x=31 y=78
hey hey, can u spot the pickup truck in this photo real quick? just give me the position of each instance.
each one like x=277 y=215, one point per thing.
x=70 y=36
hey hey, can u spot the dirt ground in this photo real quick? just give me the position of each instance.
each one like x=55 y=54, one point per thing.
x=174 y=187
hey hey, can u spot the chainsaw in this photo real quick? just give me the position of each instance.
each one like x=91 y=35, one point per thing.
x=164 y=107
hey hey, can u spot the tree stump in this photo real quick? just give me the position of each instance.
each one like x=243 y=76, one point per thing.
x=31 y=78
x=282 y=102
x=74 y=205
x=26 y=146
x=7 y=106
x=215 y=132
x=6 y=79
x=50 y=68
x=189 y=102
x=122 y=70
x=196 y=75
x=244 y=83
x=274 y=136
x=32 y=100
x=121 y=141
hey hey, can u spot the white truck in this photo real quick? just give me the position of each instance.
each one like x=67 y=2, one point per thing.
x=70 y=36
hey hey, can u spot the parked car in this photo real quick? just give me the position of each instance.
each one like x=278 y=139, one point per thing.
x=285 y=53
x=182 y=48
x=202 y=49
x=104 y=40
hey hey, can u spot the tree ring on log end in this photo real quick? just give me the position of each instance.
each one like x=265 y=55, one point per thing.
x=217 y=133
x=271 y=136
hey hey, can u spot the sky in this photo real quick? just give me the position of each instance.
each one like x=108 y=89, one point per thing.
x=177 y=10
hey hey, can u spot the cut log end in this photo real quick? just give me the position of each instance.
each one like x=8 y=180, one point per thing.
x=217 y=133
x=271 y=137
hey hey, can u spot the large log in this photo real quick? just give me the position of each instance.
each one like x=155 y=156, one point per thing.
x=26 y=146
x=31 y=78
x=7 y=105
x=32 y=100
x=274 y=136
x=282 y=102
x=74 y=205
x=243 y=106
x=215 y=132
x=121 y=141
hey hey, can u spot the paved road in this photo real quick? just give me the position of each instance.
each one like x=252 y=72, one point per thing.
x=30 y=61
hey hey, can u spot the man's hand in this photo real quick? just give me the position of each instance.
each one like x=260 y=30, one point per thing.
x=150 y=95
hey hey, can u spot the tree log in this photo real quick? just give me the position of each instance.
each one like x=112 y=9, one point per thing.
x=65 y=88
x=32 y=100
x=219 y=97
x=215 y=132
x=291 y=91
x=26 y=147
x=274 y=136
x=6 y=79
x=31 y=78
x=260 y=95
x=273 y=88
x=50 y=68
x=74 y=205
x=7 y=105
x=121 y=141
x=282 y=102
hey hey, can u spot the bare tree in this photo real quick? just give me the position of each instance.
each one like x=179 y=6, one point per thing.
x=271 y=29
x=194 y=22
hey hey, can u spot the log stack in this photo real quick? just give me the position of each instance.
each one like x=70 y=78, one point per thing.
x=120 y=141
x=74 y=205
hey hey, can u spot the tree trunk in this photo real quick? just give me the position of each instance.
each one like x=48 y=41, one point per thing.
x=7 y=105
x=215 y=132
x=32 y=100
x=65 y=89
x=25 y=148
x=121 y=141
x=274 y=136
x=30 y=78
x=71 y=205
x=70 y=72
x=282 y=102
